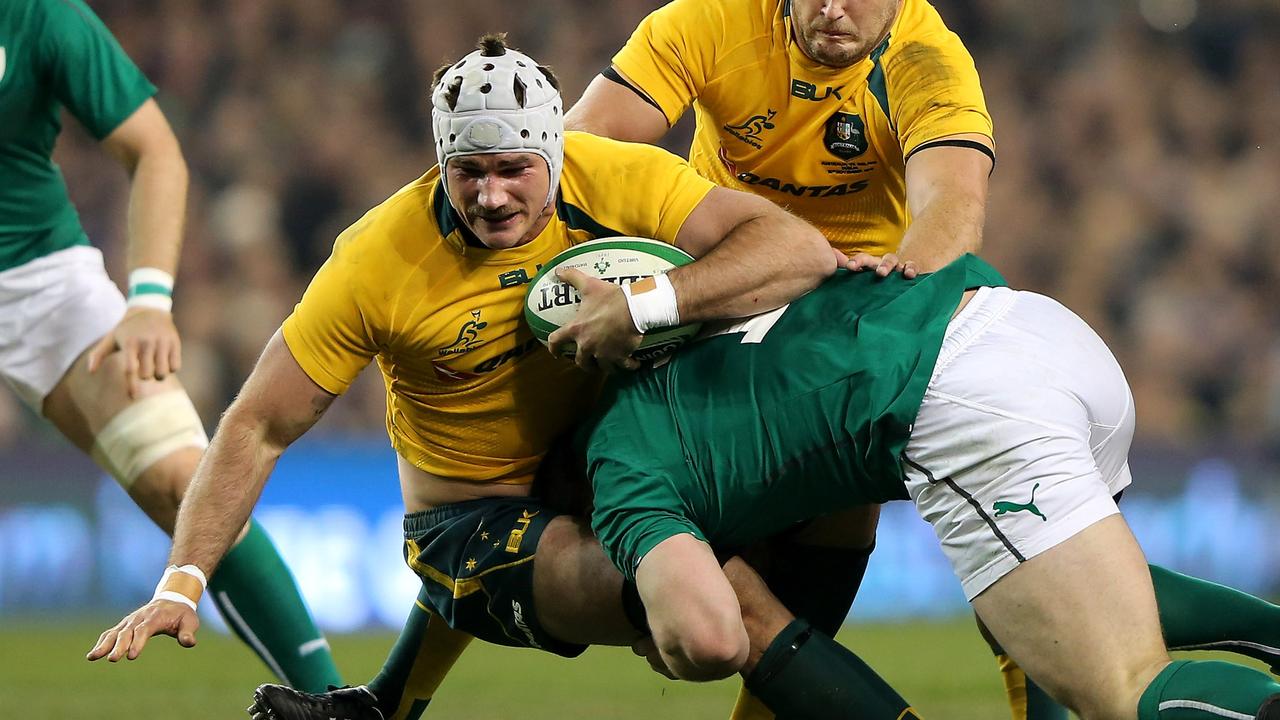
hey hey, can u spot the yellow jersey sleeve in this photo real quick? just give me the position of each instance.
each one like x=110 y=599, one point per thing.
x=629 y=188
x=934 y=81
x=328 y=332
x=666 y=61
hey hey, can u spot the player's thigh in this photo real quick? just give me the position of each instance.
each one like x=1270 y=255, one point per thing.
x=577 y=590
x=52 y=310
x=83 y=403
x=1081 y=618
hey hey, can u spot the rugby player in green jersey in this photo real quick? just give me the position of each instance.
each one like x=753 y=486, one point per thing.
x=999 y=413
x=97 y=366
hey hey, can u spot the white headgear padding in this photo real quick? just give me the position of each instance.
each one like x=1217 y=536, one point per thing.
x=503 y=104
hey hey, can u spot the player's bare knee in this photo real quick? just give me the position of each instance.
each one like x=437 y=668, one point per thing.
x=704 y=653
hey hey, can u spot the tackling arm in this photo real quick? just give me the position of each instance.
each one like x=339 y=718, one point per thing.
x=753 y=257
x=947 y=196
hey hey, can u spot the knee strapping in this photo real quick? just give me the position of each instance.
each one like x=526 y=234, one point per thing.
x=145 y=432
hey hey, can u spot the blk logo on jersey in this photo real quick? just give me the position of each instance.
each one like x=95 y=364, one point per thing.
x=846 y=136
x=468 y=336
x=750 y=131
x=809 y=91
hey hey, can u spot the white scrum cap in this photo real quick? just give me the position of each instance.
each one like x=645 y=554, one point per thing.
x=501 y=102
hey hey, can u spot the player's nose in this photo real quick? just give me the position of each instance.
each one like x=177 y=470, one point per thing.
x=492 y=193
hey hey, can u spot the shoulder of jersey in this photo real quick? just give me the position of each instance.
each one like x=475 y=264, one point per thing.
x=407 y=215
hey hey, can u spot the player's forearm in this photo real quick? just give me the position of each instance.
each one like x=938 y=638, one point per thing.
x=762 y=264
x=223 y=492
x=157 y=208
x=948 y=227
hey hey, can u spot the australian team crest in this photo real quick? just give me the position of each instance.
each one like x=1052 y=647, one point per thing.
x=846 y=136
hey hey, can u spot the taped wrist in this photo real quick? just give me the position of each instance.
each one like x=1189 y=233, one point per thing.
x=183 y=584
x=652 y=302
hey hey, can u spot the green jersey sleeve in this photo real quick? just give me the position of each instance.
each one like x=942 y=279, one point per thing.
x=87 y=69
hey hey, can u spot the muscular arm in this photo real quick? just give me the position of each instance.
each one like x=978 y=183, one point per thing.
x=146 y=147
x=753 y=256
x=616 y=111
x=277 y=404
x=947 y=196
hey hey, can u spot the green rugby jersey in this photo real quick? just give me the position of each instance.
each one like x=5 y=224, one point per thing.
x=790 y=415
x=53 y=53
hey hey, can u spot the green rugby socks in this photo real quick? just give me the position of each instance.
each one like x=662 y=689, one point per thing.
x=1207 y=690
x=259 y=599
x=1198 y=614
x=423 y=654
x=805 y=674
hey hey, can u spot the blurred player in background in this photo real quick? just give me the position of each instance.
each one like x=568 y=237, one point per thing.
x=431 y=283
x=100 y=367
x=865 y=118
x=869 y=391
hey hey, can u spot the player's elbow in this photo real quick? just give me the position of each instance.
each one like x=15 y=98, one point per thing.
x=815 y=259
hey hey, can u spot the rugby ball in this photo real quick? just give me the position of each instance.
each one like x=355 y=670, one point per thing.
x=549 y=303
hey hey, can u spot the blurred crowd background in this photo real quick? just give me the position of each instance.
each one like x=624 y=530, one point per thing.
x=1138 y=178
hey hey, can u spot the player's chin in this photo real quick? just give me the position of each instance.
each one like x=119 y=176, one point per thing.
x=834 y=52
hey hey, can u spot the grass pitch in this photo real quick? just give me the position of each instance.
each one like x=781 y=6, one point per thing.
x=942 y=667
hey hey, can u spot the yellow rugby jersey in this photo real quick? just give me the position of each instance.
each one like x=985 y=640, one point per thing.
x=828 y=143
x=471 y=395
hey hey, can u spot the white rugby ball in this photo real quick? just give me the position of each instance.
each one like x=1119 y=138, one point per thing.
x=549 y=303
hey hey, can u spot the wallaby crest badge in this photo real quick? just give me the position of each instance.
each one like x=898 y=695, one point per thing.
x=846 y=136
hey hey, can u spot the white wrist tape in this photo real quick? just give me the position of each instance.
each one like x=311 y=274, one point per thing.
x=164 y=592
x=652 y=304
x=151 y=288
x=174 y=596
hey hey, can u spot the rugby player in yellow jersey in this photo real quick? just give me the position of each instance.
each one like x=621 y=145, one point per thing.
x=864 y=117
x=431 y=284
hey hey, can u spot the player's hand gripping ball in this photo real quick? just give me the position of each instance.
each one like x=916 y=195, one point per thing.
x=550 y=303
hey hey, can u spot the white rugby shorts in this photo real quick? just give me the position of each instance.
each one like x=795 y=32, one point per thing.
x=1023 y=436
x=52 y=309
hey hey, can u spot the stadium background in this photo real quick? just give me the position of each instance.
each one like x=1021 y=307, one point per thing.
x=1137 y=181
